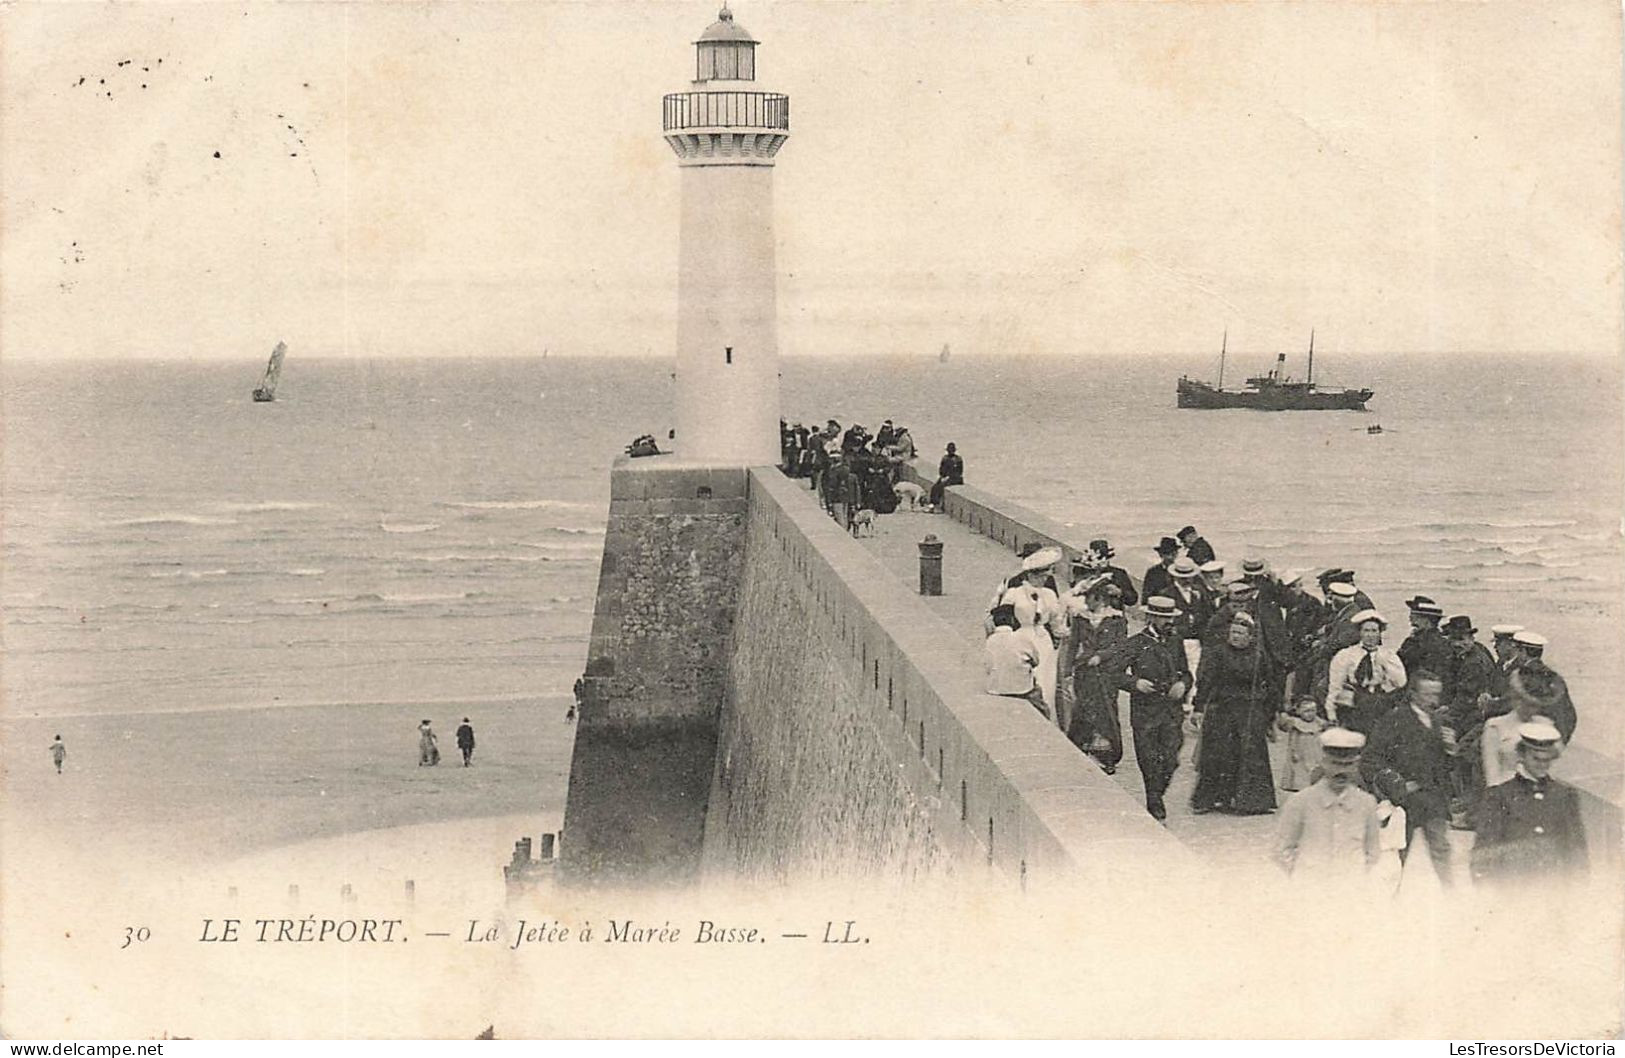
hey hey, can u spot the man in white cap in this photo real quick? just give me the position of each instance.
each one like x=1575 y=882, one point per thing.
x=1344 y=603
x=1533 y=678
x=1508 y=656
x=1498 y=743
x=1362 y=679
x=1529 y=827
x=1329 y=833
x=1151 y=666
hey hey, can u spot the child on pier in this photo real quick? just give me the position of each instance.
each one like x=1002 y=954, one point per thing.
x=1303 y=727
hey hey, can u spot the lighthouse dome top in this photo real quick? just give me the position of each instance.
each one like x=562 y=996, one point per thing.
x=726 y=29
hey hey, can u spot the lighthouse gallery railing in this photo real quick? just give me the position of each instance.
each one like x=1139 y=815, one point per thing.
x=696 y=110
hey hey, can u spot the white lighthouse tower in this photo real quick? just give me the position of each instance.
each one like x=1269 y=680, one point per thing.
x=726 y=132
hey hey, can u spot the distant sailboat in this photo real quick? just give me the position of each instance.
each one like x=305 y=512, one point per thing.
x=942 y=357
x=266 y=390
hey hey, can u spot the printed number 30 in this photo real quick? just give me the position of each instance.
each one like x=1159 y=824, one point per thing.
x=138 y=934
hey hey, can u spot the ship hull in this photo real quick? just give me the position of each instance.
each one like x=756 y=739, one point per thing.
x=1199 y=395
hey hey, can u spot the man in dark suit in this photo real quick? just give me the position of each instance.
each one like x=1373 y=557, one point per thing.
x=1151 y=666
x=1408 y=761
x=1100 y=557
x=1529 y=827
x=1472 y=677
x=1197 y=550
x=1425 y=646
x=1159 y=579
x=950 y=471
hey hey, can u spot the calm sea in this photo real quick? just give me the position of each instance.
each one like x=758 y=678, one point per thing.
x=430 y=530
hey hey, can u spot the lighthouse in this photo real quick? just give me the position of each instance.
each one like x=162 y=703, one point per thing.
x=726 y=133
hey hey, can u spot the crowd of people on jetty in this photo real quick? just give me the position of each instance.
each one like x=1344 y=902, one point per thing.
x=1376 y=743
x=1441 y=733
x=857 y=475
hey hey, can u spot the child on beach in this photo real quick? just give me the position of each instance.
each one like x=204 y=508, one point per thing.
x=428 y=751
x=1303 y=727
x=58 y=753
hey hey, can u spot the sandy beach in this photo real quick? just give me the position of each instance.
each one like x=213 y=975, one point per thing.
x=202 y=788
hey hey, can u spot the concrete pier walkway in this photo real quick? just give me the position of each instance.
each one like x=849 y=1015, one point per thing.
x=973 y=565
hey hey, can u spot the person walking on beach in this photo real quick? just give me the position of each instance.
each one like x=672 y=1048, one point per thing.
x=428 y=751
x=1151 y=666
x=59 y=753
x=465 y=741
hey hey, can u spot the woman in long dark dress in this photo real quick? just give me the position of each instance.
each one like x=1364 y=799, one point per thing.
x=1234 y=703
x=1097 y=628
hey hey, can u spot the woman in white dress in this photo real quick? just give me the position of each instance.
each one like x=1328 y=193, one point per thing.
x=1038 y=608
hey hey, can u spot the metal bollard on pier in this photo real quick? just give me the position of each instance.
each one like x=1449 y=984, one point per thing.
x=930 y=565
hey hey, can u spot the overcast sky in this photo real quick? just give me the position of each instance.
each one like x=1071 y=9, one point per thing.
x=1077 y=179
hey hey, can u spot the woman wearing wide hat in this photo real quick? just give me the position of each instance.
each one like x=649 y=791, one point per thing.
x=1098 y=627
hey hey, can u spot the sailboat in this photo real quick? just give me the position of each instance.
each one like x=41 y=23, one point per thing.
x=942 y=357
x=266 y=390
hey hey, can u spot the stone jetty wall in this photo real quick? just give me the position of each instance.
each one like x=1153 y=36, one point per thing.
x=645 y=747
x=764 y=699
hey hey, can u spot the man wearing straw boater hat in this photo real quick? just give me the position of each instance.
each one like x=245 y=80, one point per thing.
x=1330 y=831
x=1425 y=647
x=1152 y=669
x=1529 y=827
